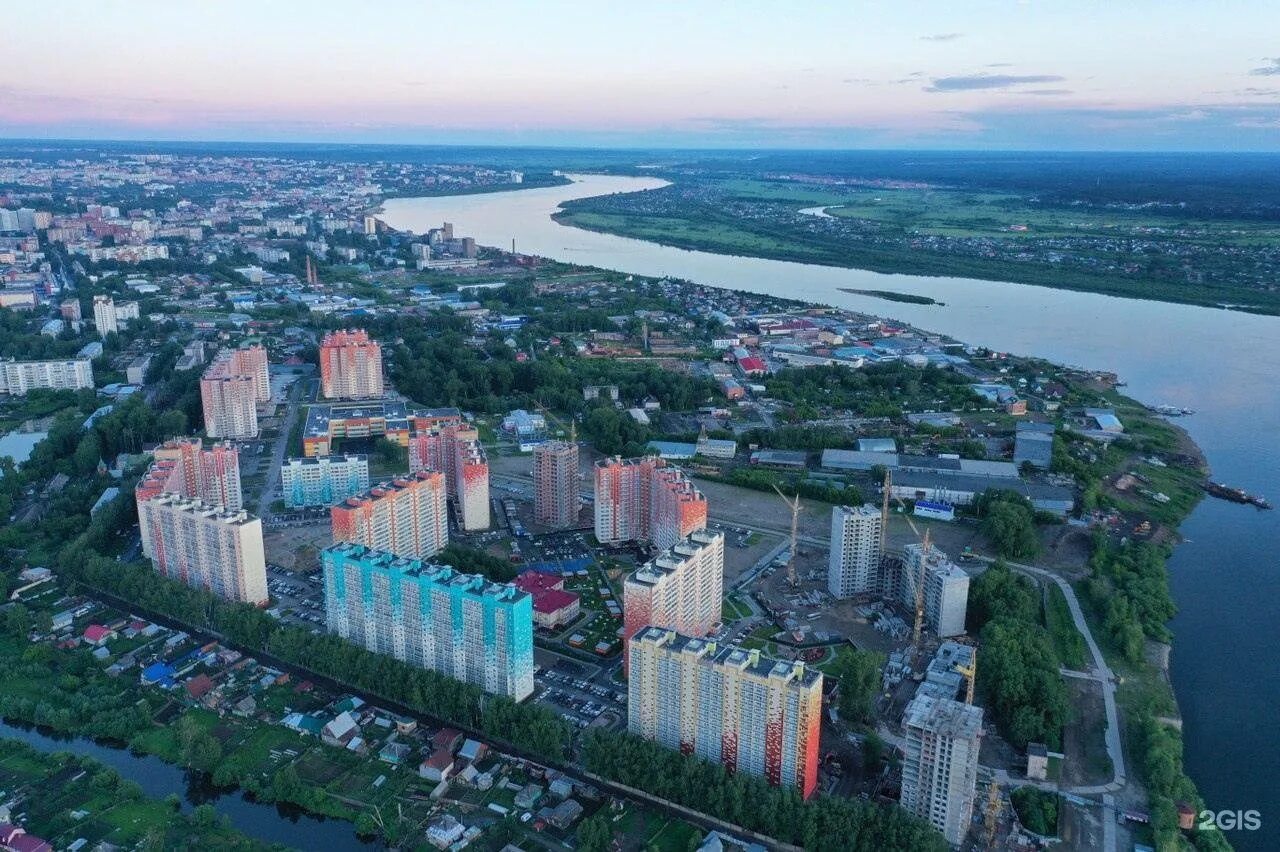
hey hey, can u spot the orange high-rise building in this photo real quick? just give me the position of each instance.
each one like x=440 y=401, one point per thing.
x=406 y=516
x=453 y=449
x=646 y=499
x=230 y=391
x=350 y=365
x=679 y=589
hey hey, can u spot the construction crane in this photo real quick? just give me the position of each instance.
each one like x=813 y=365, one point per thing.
x=991 y=822
x=970 y=673
x=793 y=504
x=924 y=560
x=925 y=544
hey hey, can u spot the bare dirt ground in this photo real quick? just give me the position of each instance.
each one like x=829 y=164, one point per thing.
x=1082 y=739
x=295 y=548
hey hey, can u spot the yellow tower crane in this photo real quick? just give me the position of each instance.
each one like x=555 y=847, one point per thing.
x=793 y=503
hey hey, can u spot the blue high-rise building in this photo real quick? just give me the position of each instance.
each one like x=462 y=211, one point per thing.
x=431 y=616
x=324 y=480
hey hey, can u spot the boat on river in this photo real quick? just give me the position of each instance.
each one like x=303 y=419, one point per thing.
x=1235 y=495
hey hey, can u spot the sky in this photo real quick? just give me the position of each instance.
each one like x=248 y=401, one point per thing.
x=964 y=74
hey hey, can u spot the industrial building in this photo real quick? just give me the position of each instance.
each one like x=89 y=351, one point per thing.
x=431 y=616
x=1033 y=444
x=963 y=490
x=941 y=465
x=726 y=704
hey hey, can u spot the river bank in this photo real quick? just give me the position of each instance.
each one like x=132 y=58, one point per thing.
x=1161 y=349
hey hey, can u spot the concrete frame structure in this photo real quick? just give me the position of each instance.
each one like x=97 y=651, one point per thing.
x=857 y=545
x=940 y=766
x=946 y=589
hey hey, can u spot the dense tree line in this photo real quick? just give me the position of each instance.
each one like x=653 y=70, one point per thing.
x=824 y=824
x=858 y=673
x=1008 y=522
x=878 y=390
x=765 y=480
x=1018 y=666
x=1129 y=586
x=1037 y=810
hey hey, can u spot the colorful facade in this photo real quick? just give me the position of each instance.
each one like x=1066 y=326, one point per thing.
x=680 y=589
x=727 y=704
x=555 y=484
x=453 y=449
x=431 y=616
x=389 y=419
x=406 y=516
x=323 y=481
x=350 y=365
x=646 y=499
x=230 y=391
x=206 y=547
x=183 y=467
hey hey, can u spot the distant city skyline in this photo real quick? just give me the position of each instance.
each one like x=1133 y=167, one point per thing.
x=1002 y=74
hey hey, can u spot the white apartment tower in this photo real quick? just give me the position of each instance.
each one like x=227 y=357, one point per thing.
x=940 y=767
x=946 y=589
x=857 y=543
x=206 y=547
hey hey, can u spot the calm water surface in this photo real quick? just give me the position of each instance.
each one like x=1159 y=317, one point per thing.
x=269 y=823
x=1225 y=365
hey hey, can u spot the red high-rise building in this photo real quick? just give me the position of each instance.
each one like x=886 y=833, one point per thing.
x=350 y=365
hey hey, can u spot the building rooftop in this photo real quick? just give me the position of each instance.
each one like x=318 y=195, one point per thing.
x=944 y=717
x=748 y=661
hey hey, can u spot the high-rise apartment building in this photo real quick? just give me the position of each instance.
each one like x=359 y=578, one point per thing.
x=646 y=499
x=324 y=480
x=857 y=544
x=431 y=616
x=104 y=315
x=727 y=704
x=230 y=391
x=946 y=588
x=453 y=449
x=108 y=316
x=350 y=365
x=18 y=377
x=183 y=467
x=940 y=763
x=406 y=516
x=207 y=547
x=555 y=484
x=679 y=589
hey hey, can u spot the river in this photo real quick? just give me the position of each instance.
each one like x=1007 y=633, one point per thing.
x=1223 y=364
x=270 y=823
